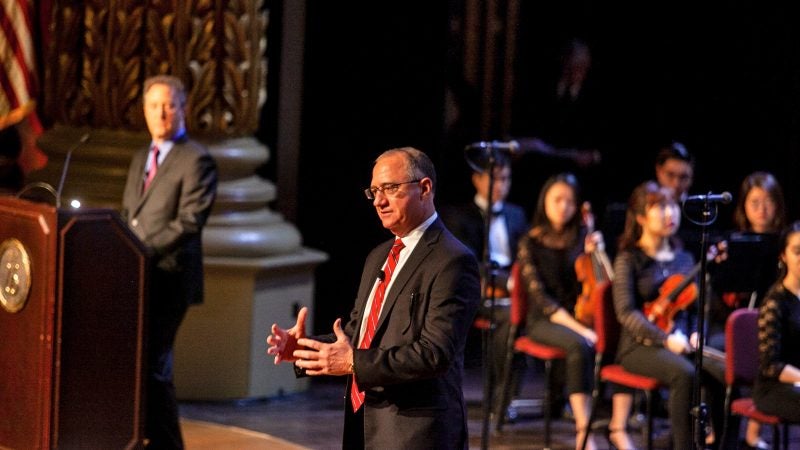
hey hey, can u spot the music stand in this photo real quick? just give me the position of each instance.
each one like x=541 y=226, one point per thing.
x=750 y=266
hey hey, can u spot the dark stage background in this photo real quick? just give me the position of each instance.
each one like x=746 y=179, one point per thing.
x=721 y=77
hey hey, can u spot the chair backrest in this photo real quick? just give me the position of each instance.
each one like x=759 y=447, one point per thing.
x=741 y=347
x=519 y=297
x=606 y=325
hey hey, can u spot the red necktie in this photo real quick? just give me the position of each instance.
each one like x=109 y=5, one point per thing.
x=153 y=168
x=356 y=395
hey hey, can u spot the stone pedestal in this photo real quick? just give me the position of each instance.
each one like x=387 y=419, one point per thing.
x=220 y=353
x=256 y=270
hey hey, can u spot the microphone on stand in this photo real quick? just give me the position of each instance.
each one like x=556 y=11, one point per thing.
x=723 y=198
x=80 y=142
x=511 y=146
x=478 y=153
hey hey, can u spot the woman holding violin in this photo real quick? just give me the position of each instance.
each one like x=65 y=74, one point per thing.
x=546 y=257
x=655 y=310
x=759 y=216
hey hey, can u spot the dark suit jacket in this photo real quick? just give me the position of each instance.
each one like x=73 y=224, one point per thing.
x=169 y=217
x=413 y=371
x=467 y=223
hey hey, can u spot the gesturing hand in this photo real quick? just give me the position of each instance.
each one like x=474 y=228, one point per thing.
x=283 y=343
x=320 y=358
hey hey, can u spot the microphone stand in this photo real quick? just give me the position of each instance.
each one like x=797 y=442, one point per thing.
x=700 y=411
x=489 y=270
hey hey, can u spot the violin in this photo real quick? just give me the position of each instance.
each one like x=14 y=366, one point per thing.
x=591 y=269
x=676 y=293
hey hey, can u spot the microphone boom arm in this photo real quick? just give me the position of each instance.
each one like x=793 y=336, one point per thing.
x=67 y=159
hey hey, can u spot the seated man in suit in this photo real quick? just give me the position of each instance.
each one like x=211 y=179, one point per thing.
x=468 y=222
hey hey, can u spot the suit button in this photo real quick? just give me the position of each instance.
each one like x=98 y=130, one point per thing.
x=135 y=222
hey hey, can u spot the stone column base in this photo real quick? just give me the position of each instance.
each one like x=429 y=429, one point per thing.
x=220 y=351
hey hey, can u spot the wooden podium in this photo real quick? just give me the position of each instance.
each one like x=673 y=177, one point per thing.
x=72 y=321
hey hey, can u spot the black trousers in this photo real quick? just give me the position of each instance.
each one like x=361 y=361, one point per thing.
x=353 y=437
x=678 y=373
x=162 y=426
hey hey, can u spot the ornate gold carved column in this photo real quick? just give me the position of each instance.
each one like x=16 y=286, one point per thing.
x=101 y=52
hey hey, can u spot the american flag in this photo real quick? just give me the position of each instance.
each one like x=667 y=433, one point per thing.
x=18 y=80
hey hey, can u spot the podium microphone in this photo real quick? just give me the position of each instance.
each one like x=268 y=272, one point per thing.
x=723 y=198
x=64 y=169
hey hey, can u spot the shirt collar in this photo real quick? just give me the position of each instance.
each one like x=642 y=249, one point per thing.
x=410 y=240
x=481 y=203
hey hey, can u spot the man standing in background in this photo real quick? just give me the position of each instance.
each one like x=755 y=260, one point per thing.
x=168 y=195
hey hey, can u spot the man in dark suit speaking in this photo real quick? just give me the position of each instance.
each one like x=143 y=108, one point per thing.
x=168 y=196
x=402 y=348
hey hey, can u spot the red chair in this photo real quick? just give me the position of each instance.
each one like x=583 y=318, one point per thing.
x=741 y=368
x=608 y=331
x=526 y=345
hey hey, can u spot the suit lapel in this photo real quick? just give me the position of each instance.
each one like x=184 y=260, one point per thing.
x=367 y=281
x=135 y=193
x=163 y=167
x=415 y=260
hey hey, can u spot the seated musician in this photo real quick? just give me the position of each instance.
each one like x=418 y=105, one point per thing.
x=649 y=255
x=742 y=281
x=777 y=388
x=546 y=257
x=468 y=223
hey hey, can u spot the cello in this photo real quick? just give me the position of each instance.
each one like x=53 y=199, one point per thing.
x=591 y=269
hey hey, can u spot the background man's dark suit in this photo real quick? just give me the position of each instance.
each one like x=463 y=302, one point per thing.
x=412 y=373
x=169 y=218
x=468 y=224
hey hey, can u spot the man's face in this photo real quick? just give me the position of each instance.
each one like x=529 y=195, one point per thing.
x=502 y=184
x=400 y=208
x=675 y=174
x=162 y=112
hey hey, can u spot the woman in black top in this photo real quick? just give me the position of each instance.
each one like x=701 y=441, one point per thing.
x=760 y=215
x=777 y=387
x=547 y=255
x=648 y=255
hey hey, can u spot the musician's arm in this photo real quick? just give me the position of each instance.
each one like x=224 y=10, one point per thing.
x=529 y=275
x=770 y=321
x=629 y=314
x=770 y=317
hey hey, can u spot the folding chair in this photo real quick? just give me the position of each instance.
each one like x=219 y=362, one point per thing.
x=741 y=368
x=608 y=331
x=524 y=344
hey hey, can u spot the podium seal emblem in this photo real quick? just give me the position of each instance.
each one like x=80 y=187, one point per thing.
x=15 y=275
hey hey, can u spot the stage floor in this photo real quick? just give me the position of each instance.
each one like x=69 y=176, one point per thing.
x=313 y=420
x=210 y=436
